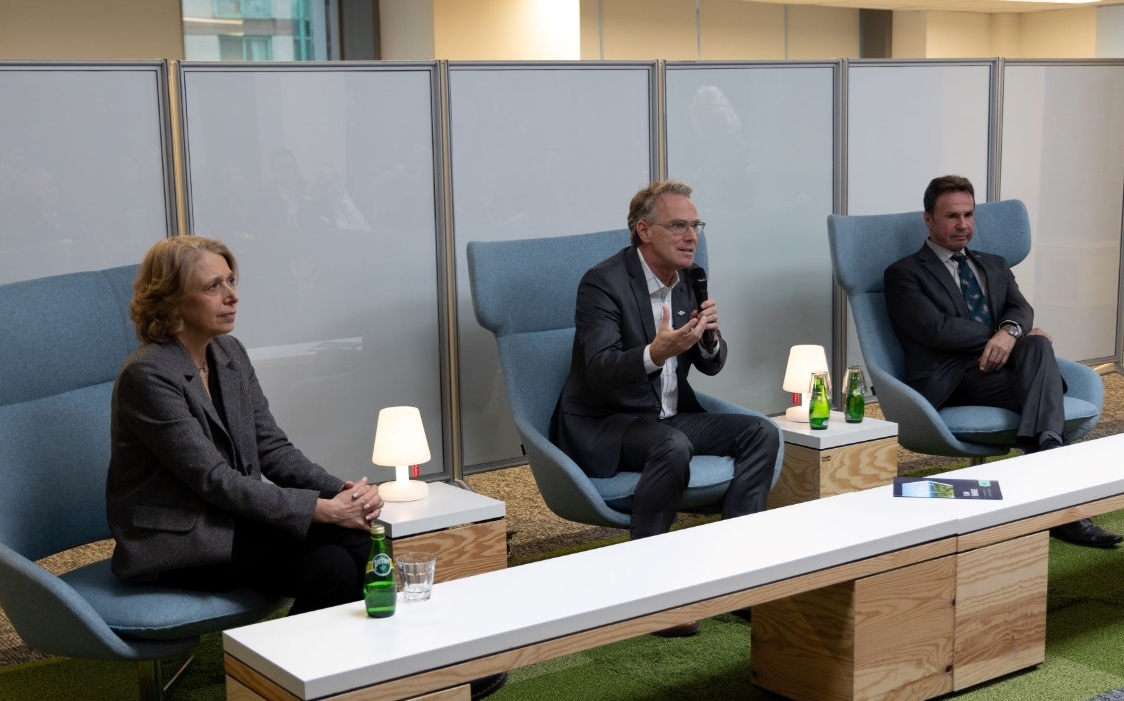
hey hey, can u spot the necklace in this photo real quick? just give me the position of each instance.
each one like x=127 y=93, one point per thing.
x=203 y=369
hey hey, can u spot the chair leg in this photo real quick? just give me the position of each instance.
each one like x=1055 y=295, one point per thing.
x=151 y=679
x=977 y=461
x=148 y=677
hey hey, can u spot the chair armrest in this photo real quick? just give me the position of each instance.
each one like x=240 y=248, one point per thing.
x=721 y=406
x=1082 y=382
x=565 y=488
x=920 y=427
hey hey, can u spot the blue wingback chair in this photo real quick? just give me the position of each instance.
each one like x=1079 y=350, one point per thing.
x=525 y=293
x=64 y=338
x=861 y=249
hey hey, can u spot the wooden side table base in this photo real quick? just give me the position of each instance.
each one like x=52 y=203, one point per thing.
x=811 y=474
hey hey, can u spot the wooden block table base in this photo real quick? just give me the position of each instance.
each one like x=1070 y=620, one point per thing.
x=812 y=474
x=462 y=551
x=913 y=633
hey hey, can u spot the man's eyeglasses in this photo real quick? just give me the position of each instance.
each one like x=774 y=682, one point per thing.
x=679 y=227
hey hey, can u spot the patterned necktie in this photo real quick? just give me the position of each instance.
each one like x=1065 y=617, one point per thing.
x=973 y=294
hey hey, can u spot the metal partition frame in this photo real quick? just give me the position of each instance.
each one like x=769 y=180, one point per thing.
x=922 y=133
x=448 y=406
x=342 y=308
x=537 y=149
x=756 y=141
x=86 y=167
x=1061 y=151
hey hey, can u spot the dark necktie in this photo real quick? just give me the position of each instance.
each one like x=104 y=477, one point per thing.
x=973 y=294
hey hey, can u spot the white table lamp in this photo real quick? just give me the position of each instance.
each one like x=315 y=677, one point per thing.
x=802 y=362
x=400 y=442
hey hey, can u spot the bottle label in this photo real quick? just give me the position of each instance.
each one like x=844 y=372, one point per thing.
x=380 y=565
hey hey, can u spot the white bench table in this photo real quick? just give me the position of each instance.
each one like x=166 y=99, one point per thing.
x=511 y=618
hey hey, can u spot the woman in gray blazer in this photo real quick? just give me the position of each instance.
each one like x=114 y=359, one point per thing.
x=193 y=438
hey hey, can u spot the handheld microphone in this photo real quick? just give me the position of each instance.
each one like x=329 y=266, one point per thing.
x=698 y=285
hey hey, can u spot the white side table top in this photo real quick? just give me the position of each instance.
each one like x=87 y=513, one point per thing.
x=445 y=507
x=838 y=432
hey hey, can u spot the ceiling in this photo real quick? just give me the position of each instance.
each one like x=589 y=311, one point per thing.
x=950 y=5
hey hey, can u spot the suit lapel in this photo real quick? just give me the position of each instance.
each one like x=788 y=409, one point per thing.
x=194 y=383
x=198 y=392
x=230 y=382
x=930 y=262
x=639 y=286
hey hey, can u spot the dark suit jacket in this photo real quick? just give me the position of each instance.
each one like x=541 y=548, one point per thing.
x=930 y=317
x=608 y=388
x=178 y=478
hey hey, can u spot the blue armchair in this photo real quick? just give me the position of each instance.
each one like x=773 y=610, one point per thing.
x=524 y=292
x=64 y=338
x=861 y=249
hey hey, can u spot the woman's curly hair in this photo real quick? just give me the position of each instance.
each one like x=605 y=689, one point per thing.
x=162 y=281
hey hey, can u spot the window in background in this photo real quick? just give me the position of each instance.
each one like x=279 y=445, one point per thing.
x=258 y=30
x=245 y=48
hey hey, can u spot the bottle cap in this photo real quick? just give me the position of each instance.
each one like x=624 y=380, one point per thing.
x=378 y=529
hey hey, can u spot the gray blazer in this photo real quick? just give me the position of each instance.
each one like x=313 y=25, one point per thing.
x=178 y=479
x=607 y=387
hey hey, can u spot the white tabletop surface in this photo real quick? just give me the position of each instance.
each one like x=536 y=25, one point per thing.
x=445 y=507
x=838 y=432
x=1042 y=482
x=496 y=611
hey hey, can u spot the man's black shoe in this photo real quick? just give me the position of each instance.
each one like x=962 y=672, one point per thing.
x=486 y=685
x=1049 y=444
x=1085 y=532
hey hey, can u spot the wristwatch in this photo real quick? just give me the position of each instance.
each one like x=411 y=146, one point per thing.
x=1012 y=328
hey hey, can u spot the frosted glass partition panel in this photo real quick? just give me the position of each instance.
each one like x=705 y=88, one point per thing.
x=84 y=166
x=757 y=144
x=321 y=179
x=907 y=124
x=537 y=150
x=1063 y=155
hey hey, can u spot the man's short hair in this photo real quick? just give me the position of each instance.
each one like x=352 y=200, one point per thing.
x=943 y=185
x=643 y=205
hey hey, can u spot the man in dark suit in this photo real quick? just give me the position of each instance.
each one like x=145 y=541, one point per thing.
x=968 y=333
x=626 y=404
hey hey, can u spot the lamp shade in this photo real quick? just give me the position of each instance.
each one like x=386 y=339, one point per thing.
x=400 y=437
x=802 y=362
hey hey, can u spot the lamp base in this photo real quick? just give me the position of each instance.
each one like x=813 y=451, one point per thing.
x=798 y=413
x=407 y=490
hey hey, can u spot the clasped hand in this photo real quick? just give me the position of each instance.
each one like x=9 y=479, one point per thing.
x=671 y=342
x=356 y=505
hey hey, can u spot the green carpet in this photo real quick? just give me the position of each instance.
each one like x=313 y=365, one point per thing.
x=1084 y=656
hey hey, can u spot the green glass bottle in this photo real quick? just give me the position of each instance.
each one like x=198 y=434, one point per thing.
x=819 y=406
x=855 y=403
x=380 y=590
